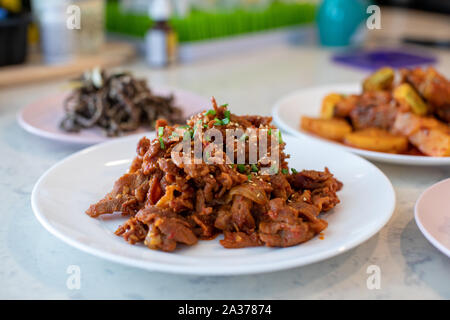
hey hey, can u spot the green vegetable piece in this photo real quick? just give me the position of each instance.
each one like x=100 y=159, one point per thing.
x=380 y=80
x=405 y=94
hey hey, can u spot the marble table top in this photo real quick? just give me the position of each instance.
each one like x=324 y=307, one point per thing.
x=33 y=263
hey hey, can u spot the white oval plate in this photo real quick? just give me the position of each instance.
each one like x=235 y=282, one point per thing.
x=432 y=214
x=61 y=196
x=42 y=117
x=307 y=102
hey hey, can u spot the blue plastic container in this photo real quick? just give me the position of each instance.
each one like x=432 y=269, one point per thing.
x=339 y=21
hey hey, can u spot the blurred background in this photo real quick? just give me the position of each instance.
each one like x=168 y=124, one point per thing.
x=48 y=39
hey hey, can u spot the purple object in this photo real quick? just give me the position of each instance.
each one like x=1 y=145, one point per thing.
x=375 y=59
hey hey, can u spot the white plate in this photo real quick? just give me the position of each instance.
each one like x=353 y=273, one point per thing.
x=42 y=117
x=65 y=191
x=307 y=102
x=432 y=214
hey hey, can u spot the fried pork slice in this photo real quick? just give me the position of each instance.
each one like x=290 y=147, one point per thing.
x=377 y=116
x=132 y=231
x=373 y=109
x=312 y=179
x=291 y=223
x=431 y=85
x=235 y=240
x=165 y=229
x=429 y=135
x=127 y=196
x=281 y=186
x=241 y=216
x=283 y=227
x=309 y=212
x=281 y=234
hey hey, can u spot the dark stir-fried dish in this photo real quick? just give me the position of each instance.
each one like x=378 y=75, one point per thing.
x=410 y=116
x=172 y=202
x=116 y=103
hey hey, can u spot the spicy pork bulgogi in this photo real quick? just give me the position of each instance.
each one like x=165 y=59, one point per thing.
x=116 y=103
x=410 y=116
x=169 y=202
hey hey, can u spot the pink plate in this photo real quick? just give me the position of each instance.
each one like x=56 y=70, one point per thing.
x=432 y=213
x=42 y=117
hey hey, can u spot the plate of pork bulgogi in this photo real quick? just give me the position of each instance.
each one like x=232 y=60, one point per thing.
x=222 y=194
x=102 y=105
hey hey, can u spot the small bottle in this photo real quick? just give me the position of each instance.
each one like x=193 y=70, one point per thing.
x=161 y=40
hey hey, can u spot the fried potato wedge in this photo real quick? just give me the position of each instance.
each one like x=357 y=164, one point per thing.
x=335 y=129
x=329 y=104
x=376 y=140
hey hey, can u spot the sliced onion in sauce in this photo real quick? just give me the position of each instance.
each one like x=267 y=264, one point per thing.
x=251 y=192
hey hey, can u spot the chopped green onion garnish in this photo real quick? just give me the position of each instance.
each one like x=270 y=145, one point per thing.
x=249 y=177
x=161 y=142
x=254 y=168
x=197 y=125
x=241 y=168
x=280 y=139
x=226 y=121
x=285 y=171
x=227 y=114
x=160 y=131
x=269 y=132
x=224 y=105
x=217 y=122
x=293 y=171
x=211 y=112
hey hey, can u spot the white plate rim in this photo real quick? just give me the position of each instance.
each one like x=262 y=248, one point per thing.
x=435 y=242
x=80 y=139
x=373 y=155
x=202 y=271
